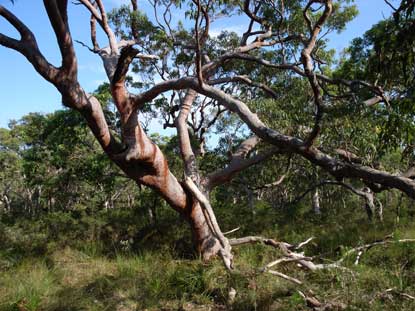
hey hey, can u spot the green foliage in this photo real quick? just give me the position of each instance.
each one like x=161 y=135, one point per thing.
x=385 y=56
x=122 y=18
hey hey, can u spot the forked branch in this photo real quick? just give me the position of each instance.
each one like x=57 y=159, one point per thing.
x=27 y=46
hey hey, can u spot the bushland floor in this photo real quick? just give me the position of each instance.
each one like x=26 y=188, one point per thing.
x=77 y=262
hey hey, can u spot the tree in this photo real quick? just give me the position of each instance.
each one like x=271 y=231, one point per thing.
x=221 y=79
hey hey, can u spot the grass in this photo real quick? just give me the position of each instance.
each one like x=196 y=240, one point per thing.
x=81 y=273
x=29 y=285
x=72 y=280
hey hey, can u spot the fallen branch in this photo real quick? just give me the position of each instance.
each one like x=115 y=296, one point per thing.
x=289 y=256
x=286 y=277
x=312 y=302
x=396 y=292
x=231 y=231
x=286 y=249
x=388 y=294
x=361 y=249
x=302 y=244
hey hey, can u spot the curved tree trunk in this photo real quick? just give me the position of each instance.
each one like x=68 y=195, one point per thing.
x=143 y=161
x=207 y=245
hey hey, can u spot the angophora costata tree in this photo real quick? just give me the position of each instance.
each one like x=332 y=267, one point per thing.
x=279 y=36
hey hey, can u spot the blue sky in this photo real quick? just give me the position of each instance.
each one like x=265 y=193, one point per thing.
x=24 y=91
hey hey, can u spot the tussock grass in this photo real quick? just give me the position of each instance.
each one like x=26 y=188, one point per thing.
x=158 y=274
x=30 y=285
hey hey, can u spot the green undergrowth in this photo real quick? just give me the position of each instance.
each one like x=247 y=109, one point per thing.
x=117 y=261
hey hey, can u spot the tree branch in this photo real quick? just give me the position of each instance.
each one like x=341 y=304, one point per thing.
x=27 y=46
x=245 y=80
x=185 y=146
x=101 y=16
x=57 y=13
x=239 y=162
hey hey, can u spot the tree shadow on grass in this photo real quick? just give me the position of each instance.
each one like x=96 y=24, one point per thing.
x=100 y=294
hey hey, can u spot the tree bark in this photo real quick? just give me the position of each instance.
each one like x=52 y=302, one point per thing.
x=144 y=162
x=207 y=245
x=316 y=203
